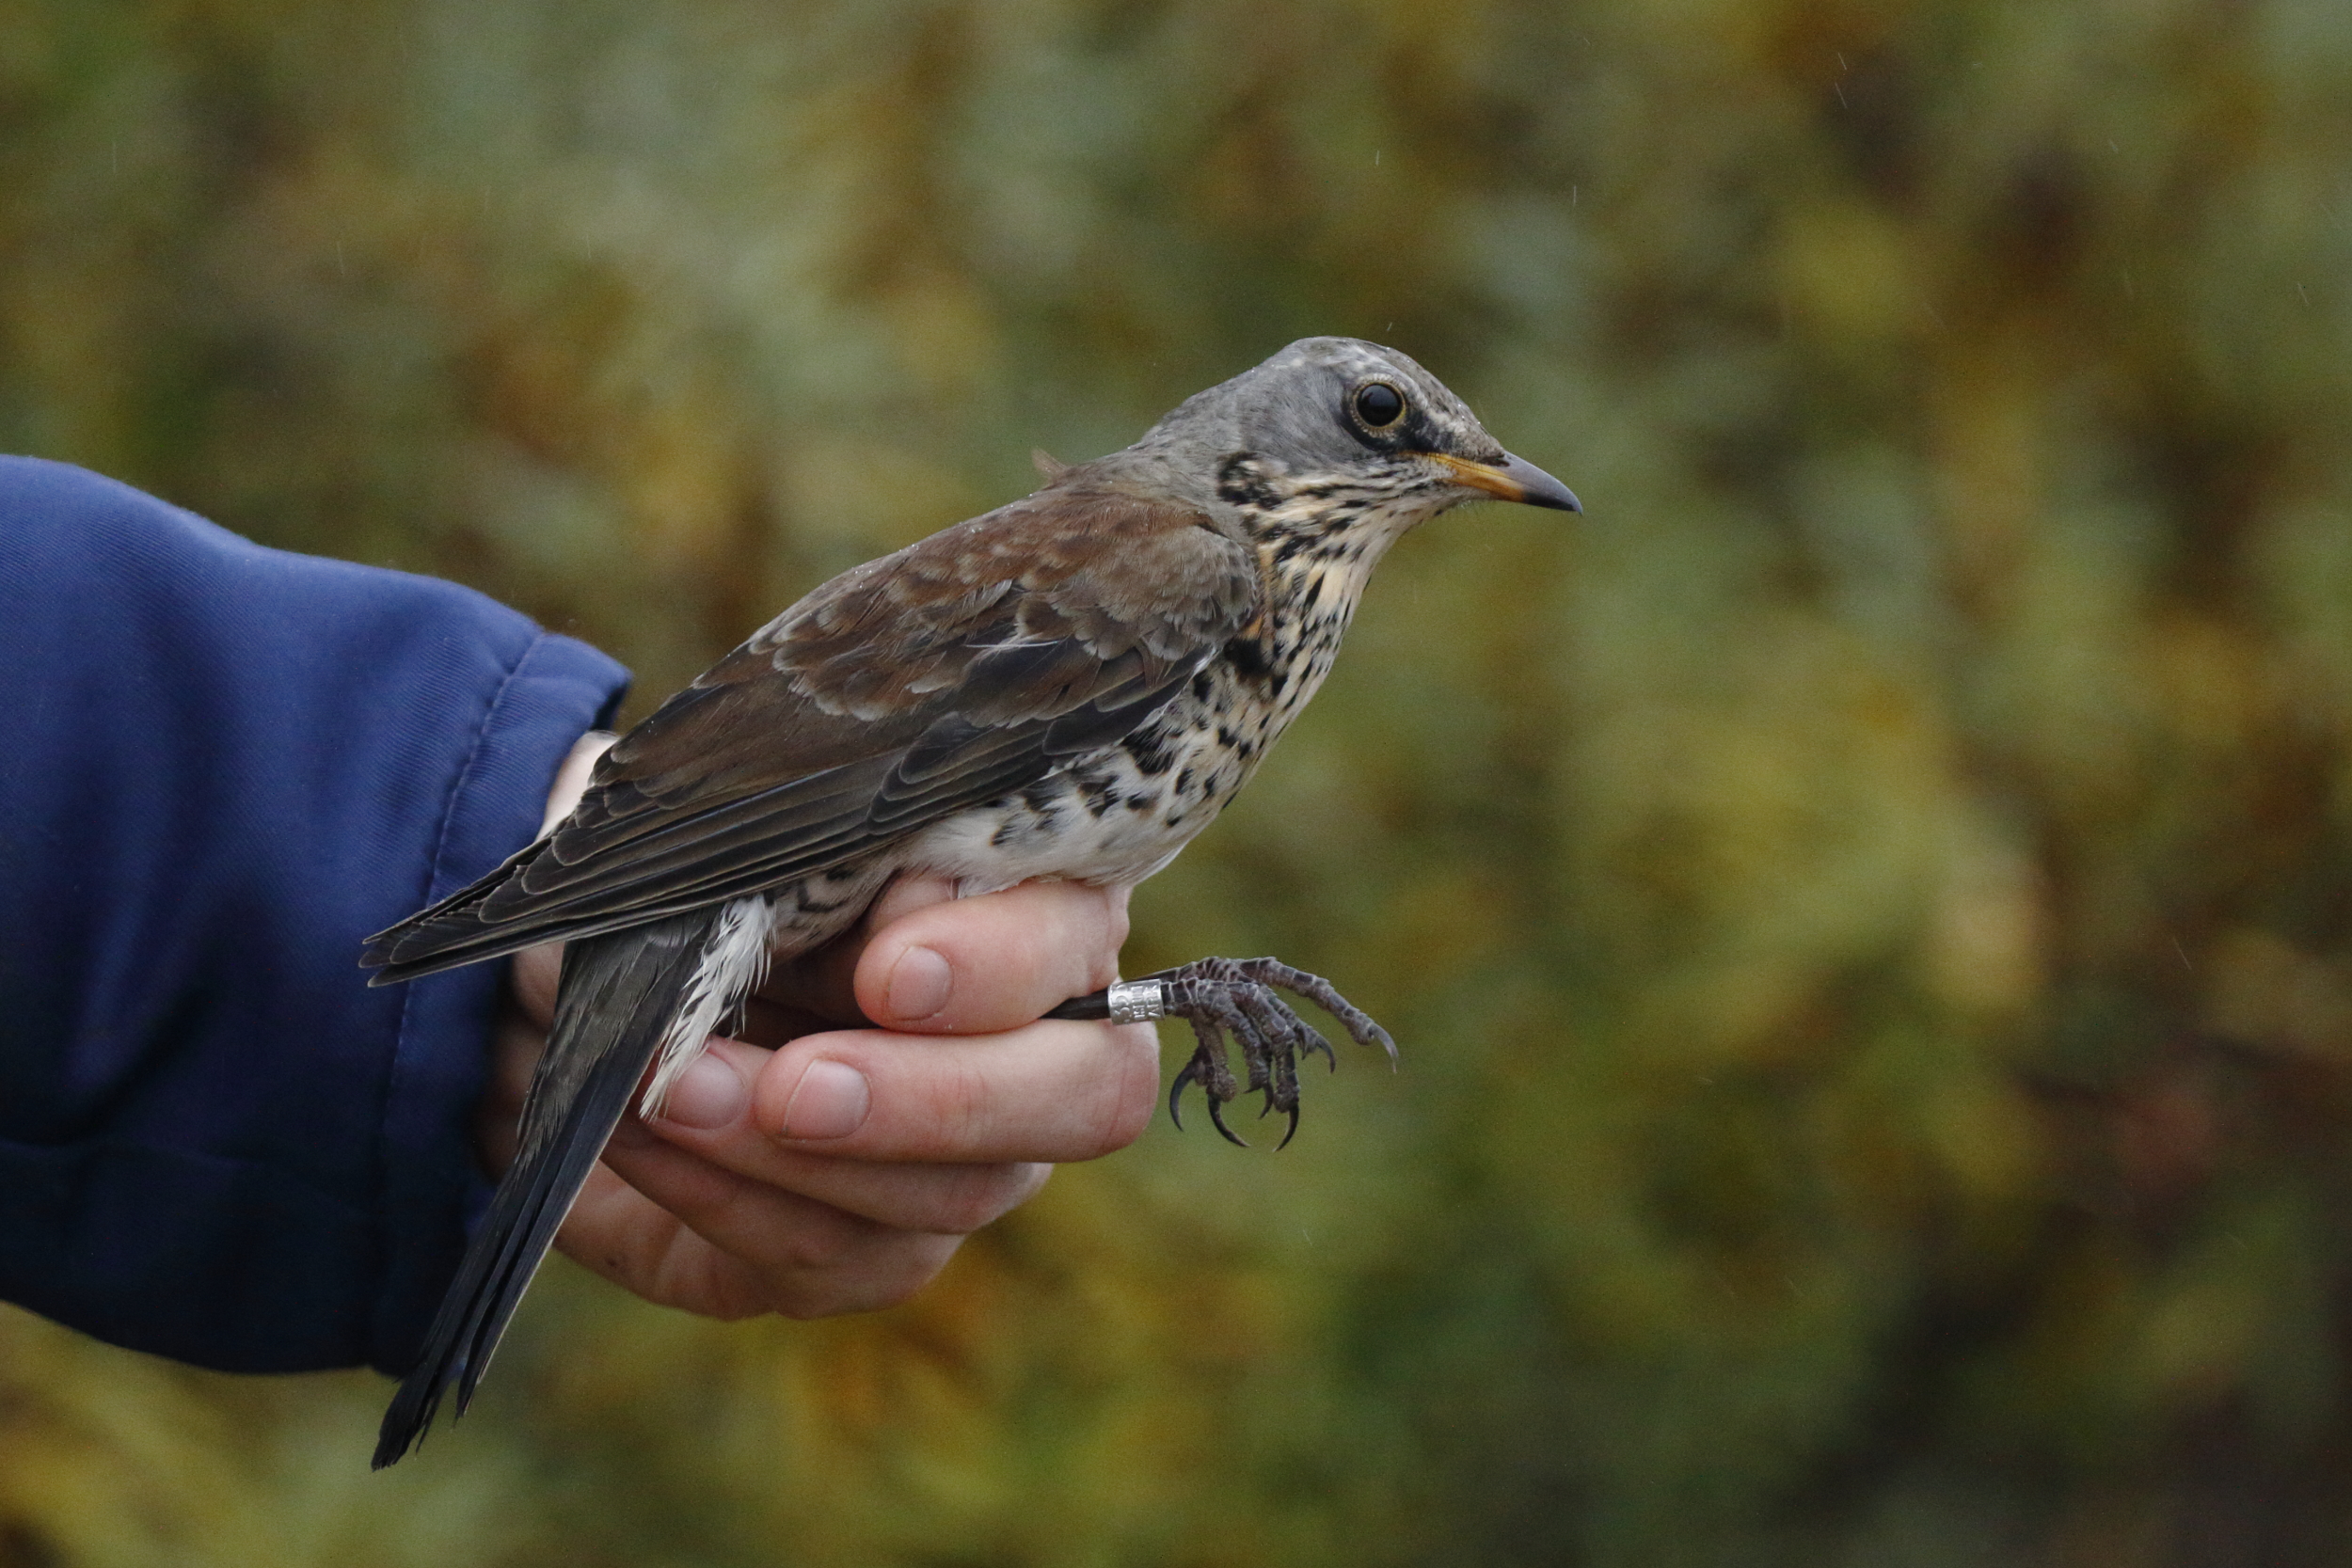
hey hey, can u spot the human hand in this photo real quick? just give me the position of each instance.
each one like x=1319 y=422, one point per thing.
x=816 y=1166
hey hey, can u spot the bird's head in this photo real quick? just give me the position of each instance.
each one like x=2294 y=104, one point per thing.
x=1344 y=431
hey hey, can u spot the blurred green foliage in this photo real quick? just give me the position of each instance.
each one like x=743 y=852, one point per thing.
x=1867 y=909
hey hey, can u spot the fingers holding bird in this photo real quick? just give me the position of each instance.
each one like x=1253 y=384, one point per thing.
x=925 y=961
x=681 y=1231
x=838 y=1170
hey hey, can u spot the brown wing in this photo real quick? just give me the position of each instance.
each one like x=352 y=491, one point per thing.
x=963 y=668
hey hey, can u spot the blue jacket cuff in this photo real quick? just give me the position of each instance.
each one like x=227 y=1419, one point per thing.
x=557 y=692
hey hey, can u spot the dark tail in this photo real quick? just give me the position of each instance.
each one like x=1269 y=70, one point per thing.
x=618 y=995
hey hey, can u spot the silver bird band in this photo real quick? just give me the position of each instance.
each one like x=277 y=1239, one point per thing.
x=1137 y=1001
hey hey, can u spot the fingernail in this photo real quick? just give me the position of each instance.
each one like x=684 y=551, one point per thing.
x=829 y=1102
x=918 y=985
x=708 y=1095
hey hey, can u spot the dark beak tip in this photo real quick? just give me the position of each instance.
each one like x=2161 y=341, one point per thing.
x=1538 y=489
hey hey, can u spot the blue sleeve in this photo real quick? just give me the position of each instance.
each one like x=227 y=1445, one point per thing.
x=226 y=766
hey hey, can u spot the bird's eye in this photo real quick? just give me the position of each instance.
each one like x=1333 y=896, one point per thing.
x=1378 y=405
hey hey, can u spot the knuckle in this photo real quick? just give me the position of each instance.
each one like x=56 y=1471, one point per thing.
x=729 y=1302
x=981 y=1194
x=1097 y=930
x=904 y=1265
x=825 y=1242
x=969 y=1202
x=799 y=1299
x=966 y=1107
x=1116 y=926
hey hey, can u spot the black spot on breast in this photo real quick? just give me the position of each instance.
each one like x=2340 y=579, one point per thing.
x=1151 y=750
x=1184 y=782
x=1200 y=686
x=1249 y=656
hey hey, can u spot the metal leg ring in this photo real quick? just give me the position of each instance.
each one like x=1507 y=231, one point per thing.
x=1137 y=1001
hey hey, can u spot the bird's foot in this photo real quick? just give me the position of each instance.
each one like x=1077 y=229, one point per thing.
x=1240 y=997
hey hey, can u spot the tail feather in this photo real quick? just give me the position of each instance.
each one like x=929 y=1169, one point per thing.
x=619 y=993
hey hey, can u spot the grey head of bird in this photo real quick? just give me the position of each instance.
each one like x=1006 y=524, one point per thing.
x=1334 y=435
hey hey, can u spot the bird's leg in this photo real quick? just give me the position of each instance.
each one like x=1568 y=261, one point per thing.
x=1240 y=997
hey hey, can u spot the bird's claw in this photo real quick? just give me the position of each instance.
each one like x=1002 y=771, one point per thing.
x=1242 y=997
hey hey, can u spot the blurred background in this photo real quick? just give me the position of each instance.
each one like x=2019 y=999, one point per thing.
x=1868 y=908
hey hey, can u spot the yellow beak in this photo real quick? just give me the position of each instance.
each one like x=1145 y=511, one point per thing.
x=1514 y=480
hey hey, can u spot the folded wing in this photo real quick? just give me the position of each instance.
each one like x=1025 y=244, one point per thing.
x=963 y=668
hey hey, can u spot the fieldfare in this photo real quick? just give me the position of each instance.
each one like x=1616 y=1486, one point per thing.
x=1070 y=686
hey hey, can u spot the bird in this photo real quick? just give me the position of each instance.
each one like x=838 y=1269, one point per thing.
x=1069 y=687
